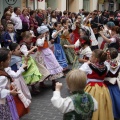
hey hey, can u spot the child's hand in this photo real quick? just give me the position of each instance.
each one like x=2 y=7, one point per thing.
x=14 y=92
x=76 y=52
x=62 y=29
x=52 y=41
x=88 y=62
x=58 y=86
x=65 y=46
x=35 y=47
x=101 y=32
x=26 y=58
x=24 y=66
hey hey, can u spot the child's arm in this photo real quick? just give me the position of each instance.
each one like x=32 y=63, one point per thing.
x=3 y=91
x=25 y=51
x=15 y=74
x=82 y=60
x=63 y=104
x=31 y=50
x=85 y=67
x=6 y=38
x=69 y=46
x=55 y=34
x=105 y=38
x=76 y=45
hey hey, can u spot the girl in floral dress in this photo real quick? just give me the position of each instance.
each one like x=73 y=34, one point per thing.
x=96 y=72
x=65 y=39
x=32 y=75
x=49 y=60
x=58 y=50
x=112 y=80
x=7 y=105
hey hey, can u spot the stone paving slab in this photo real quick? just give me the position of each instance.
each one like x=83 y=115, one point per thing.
x=41 y=107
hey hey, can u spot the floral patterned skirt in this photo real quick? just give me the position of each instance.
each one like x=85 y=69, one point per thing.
x=5 y=113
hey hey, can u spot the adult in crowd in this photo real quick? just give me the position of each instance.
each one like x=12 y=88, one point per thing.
x=65 y=15
x=73 y=17
x=5 y=10
x=76 y=29
x=25 y=20
x=111 y=18
x=53 y=18
x=10 y=9
x=17 y=22
x=33 y=23
x=6 y=20
x=95 y=21
x=48 y=13
x=58 y=15
x=114 y=40
x=39 y=17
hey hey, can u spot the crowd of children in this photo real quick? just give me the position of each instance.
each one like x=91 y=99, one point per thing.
x=36 y=47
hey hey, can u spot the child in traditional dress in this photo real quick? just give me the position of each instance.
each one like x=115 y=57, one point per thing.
x=65 y=39
x=78 y=106
x=58 y=50
x=96 y=72
x=85 y=51
x=49 y=60
x=32 y=75
x=112 y=80
x=76 y=30
x=16 y=70
x=7 y=105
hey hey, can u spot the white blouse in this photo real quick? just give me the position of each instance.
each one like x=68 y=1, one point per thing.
x=66 y=105
x=113 y=80
x=4 y=89
x=85 y=52
x=14 y=74
x=24 y=50
x=40 y=42
x=85 y=67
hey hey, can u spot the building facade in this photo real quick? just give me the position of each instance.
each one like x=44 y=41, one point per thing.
x=111 y=5
x=70 y=5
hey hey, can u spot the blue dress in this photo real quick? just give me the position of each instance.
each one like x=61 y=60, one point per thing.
x=114 y=91
x=59 y=53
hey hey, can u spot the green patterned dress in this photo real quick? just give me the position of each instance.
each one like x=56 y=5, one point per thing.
x=84 y=107
x=69 y=52
x=76 y=62
x=32 y=74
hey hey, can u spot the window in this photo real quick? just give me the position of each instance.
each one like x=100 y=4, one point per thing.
x=86 y=5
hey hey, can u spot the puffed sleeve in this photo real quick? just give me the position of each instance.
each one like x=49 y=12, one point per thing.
x=73 y=27
x=40 y=42
x=65 y=105
x=77 y=44
x=112 y=40
x=53 y=35
x=85 y=67
x=14 y=74
x=3 y=91
x=24 y=50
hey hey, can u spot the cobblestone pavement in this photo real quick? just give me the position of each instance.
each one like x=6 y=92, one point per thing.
x=41 y=107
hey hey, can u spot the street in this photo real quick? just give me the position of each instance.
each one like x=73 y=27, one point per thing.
x=41 y=107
